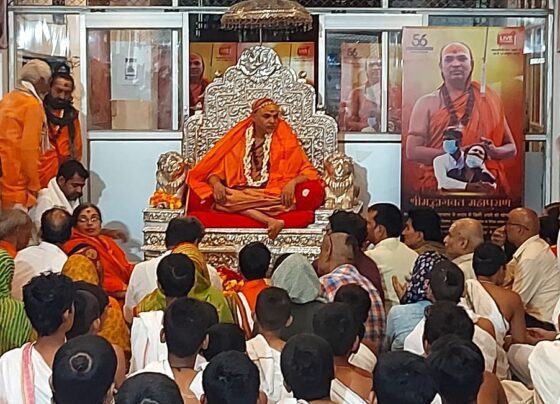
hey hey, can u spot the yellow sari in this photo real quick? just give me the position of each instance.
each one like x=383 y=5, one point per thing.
x=113 y=328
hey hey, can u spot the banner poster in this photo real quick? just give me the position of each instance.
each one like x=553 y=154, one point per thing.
x=208 y=58
x=462 y=113
x=360 y=87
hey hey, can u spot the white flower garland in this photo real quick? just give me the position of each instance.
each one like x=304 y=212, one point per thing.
x=249 y=142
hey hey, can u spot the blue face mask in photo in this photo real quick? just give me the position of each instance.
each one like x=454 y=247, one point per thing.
x=450 y=146
x=473 y=161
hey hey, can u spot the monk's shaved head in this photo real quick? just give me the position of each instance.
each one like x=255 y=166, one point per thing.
x=337 y=249
x=464 y=236
x=455 y=47
x=343 y=246
x=456 y=64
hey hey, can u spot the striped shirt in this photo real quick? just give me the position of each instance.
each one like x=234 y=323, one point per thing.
x=15 y=328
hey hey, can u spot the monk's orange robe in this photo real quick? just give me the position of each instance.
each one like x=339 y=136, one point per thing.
x=59 y=151
x=225 y=160
x=116 y=268
x=487 y=120
x=21 y=124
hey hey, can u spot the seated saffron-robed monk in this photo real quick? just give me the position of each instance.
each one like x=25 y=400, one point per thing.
x=255 y=168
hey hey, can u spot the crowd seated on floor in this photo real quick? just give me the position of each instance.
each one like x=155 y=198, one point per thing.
x=450 y=318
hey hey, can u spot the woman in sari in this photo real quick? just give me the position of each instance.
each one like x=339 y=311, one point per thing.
x=86 y=222
x=202 y=289
x=15 y=328
x=80 y=267
x=414 y=298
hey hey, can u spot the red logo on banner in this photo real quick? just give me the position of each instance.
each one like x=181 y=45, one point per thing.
x=224 y=50
x=506 y=38
x=303 y=51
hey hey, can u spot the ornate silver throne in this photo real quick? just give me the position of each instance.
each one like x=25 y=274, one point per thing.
x=258 y=73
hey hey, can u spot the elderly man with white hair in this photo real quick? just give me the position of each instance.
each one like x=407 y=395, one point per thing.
x=464 y=236
x=23 y=134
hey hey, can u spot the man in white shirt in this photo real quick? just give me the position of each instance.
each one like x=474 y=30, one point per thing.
x=64 y=191
x=25 y=372
x=56 y=229
x=464 y=236
x=453 y=159
x=533 y=271
x=143 y=280
x=393 y=258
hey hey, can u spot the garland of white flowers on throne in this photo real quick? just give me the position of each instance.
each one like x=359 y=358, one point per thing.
x=249 y=142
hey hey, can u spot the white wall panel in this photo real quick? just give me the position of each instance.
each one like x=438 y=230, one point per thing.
x=378 y=171
x=122 y=181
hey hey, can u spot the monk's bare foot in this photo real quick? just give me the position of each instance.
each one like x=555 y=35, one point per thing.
x=274 y=228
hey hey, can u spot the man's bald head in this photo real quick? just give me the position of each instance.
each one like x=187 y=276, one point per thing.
x=522 y=224
x=464 y=236
x=56 y=226
x=15 y=227
x=337 y=249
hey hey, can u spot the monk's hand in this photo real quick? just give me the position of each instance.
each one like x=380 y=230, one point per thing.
x=499 y=236
x=220 y=192
x=490 y=147
x=288 y=194
x=400 y=288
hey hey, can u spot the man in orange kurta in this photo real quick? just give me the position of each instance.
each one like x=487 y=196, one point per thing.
x=460 y=103
x=254 y=169
x=65 y=140
x=22 y=136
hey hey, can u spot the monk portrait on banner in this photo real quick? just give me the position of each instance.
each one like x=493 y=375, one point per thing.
x=254 y=169
x=462 y=104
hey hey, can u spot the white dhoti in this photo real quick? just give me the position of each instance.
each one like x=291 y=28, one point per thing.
x=481 y=303
x=342 y=394
x=267 y=360
x=544 y=365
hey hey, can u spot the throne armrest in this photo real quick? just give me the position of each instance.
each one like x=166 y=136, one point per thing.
x=340 y=191
x=170 y=182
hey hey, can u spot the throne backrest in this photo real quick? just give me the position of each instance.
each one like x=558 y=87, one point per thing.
x=259 y=73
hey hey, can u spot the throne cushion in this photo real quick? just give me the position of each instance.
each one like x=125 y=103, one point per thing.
x=309 y=197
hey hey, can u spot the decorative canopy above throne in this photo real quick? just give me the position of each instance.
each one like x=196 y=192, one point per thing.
x=258 y=73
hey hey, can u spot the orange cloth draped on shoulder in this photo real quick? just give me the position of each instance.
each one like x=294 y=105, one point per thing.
x=59 y=151
x=487 y=120
x=225 y=160
x=116 y=268
x=21 y=124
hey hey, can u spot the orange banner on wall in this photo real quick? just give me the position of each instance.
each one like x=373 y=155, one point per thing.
x=462 y=121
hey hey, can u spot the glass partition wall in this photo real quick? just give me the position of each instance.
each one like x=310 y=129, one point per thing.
x=135 y=87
